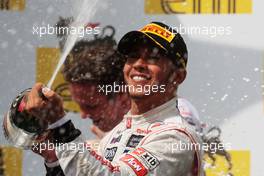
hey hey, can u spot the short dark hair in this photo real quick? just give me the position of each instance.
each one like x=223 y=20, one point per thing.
x=95 y=61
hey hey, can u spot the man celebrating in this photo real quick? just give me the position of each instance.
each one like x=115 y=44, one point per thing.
x=147 y=141
x=90 y=65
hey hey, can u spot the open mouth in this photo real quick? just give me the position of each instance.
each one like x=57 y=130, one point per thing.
x=140 y=77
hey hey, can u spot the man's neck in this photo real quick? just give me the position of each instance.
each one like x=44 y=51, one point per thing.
x=144 y=104
x=122 y=105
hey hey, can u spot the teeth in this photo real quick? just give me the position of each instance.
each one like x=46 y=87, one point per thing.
x=138 y=78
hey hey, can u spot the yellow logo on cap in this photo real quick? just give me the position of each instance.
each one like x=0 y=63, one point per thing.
x=158 y=30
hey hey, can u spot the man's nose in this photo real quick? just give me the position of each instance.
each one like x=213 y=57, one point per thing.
x=140 y=64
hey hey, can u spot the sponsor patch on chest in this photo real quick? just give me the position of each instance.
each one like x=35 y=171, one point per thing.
x=116 y=139
x=110 y=153
x=143 y=131
x=134 y=140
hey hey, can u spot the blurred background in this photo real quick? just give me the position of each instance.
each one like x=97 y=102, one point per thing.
x=225 y=66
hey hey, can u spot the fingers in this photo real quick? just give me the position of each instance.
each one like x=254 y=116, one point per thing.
x=97 y=131
x=48 y=109
x=48 y=93
x=51 y=95
x=32 y=99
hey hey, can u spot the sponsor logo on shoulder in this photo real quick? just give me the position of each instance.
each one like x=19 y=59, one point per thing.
x=135 y=164
x=150 y=160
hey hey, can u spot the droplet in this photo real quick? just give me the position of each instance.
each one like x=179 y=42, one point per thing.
x=246 y=79
x=224 y=97
x=12 y=31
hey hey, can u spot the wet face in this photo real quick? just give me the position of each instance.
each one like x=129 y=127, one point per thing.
x=148 y=66
x=94 y=105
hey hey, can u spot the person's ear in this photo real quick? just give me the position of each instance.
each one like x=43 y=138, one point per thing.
x=179 y=76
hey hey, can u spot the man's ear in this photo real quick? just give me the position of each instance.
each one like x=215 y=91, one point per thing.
x=180 y=75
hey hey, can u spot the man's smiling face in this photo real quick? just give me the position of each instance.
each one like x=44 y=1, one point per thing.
x=147 y=66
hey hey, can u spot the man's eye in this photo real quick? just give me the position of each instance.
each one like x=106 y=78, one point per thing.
x=153 y=58
x=131 y=57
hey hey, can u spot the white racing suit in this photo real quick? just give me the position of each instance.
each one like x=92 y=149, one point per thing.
x=158 y=142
